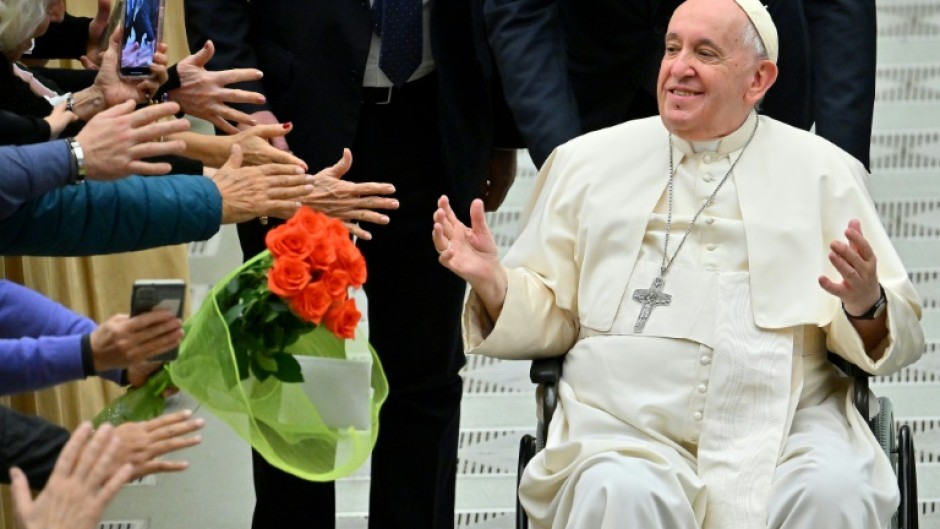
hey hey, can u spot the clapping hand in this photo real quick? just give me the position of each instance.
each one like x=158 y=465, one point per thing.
x=85 y=479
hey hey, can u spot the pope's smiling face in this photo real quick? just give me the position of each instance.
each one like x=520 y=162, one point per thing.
x=710 y=77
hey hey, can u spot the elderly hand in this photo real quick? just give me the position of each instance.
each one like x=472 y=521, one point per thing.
x=123 y=341
x=202 y=93
x=855 y=261
x=85 y=479
x=471 y=253
x=500 y=174
x=116 y=90
x=349 y=201
x=270 y=190
x=142 y=443
x=115 y=141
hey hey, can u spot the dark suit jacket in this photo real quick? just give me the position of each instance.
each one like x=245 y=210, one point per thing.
x=572 y=66
x=313 y=55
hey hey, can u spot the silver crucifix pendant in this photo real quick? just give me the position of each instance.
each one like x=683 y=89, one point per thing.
x=650 y=297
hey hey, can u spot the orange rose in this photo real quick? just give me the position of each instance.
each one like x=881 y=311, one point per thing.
x=336 y=280
x=323 y=254
x=290 y=240
x=288 y=277
x=357 y=271
x=312 y=303
x=338 y=230
x=347 y=252
x=342 y=319
x=308 y=219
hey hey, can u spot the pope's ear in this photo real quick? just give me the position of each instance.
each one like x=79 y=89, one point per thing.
x=764 y=78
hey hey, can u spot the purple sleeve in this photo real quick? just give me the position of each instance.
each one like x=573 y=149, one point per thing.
x=29 y=171
x=40 y=341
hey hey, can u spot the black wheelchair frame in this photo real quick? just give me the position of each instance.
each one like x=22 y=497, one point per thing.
x=897 y=443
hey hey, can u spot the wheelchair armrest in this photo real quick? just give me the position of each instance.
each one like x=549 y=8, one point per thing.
x=546 y=370
x=860 y=392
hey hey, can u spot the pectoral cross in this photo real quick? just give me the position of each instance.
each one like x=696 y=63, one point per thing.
x=650 y=297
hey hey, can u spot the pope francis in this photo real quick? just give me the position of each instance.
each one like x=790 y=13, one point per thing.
x=694 y=269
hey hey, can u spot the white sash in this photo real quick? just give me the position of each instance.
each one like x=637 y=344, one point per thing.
x=745 y=418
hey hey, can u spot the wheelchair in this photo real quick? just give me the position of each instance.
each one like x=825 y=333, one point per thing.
x=897 y=443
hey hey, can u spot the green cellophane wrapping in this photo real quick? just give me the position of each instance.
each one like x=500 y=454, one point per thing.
x=278 y=419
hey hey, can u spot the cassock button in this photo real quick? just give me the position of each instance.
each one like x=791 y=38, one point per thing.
x=708 y=178
x=712 y=247
x=707 y=158
x=702 y=388
x=706 y=360
x=710 y=220
x=697 y=415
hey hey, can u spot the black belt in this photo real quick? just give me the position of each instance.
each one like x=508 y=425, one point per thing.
x=379 y=95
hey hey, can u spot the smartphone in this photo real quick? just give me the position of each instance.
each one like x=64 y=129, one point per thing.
x=143 y=30
x=159 y=294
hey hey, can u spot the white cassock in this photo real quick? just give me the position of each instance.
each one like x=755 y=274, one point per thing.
x=724 y=413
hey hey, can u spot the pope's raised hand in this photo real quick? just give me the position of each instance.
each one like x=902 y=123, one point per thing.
x=470 y=252
x=856 y=263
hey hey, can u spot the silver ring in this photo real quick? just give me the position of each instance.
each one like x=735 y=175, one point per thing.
x=263 y=220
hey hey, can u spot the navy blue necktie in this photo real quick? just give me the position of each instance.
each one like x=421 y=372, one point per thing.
x=398 y=23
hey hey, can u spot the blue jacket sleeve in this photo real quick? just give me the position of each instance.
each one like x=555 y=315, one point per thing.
x=95 y=218
x=40 y=341
x=528 y=42
x=26 y=172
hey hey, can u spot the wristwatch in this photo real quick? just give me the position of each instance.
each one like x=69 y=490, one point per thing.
x=874 y=312
x=78 y=161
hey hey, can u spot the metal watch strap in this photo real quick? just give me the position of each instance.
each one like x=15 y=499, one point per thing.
x=78 y=160
x=874 y=311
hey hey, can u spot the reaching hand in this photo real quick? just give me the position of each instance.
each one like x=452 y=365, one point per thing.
x=270 y=190
x=350 y=202
x=257 y=149
x=85 y=479
x=856 y=262
x=142 y=443
x=266 y=117
x=202 y=93
x=471 y=253
x=123 y=341
x=115 y=141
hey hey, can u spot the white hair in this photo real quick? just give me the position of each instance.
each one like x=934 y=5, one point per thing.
x=18 y=20
x=751 y=38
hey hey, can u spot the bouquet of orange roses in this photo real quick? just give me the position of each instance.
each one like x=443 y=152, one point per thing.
x=276 y=352
x=302 y=281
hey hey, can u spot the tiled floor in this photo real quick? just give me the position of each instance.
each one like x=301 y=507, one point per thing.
x=498 y=404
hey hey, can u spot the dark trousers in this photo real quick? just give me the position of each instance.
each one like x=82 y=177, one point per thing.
x=414 y=323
